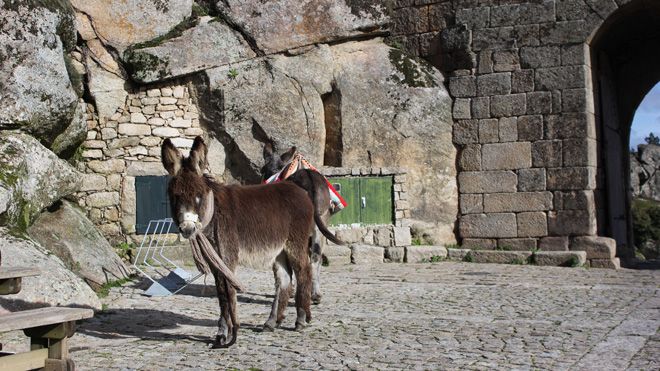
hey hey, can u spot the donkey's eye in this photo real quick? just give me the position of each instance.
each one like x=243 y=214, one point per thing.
x=198 y=200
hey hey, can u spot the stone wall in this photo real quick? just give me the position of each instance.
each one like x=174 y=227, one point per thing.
x=525 y=123
x=128 y=145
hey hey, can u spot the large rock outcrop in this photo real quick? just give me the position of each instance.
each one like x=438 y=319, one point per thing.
x=56 y=285
x=391 y=111
x=645 y=172
x=209 y=44
x=35 y=88
x=31 y=178
x=279 y=25
x=120 y=24
x=70 y=235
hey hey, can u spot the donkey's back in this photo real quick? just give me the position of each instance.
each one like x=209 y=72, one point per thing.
x=262 y=220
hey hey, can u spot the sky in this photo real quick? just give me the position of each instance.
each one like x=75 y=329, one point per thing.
x=647 y=118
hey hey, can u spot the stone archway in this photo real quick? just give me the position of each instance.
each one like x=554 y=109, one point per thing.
x=625 y=61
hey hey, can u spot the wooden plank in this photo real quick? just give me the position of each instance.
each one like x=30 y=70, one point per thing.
x=24 y=361
x=42 y=317
x=350 y=191
x=15 y=272
x=377 y=195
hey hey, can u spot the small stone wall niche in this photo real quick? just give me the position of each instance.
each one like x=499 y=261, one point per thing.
x=127 y=145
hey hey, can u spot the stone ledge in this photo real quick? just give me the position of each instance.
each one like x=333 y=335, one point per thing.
x=613 y=263
x=421 y=254
x=499 y=256
x=367 y=254
x=337 y=255
x=560 y=258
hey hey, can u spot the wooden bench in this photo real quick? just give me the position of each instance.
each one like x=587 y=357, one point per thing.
x=48 y=329
x=10 y=278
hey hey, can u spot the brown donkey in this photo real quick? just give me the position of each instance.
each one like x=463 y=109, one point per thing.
x=244 y=223
x=317 y=190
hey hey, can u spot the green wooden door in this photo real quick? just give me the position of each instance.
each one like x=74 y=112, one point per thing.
x=376 y=200
x=151 y=202
x=349 y=188
x=369 y=200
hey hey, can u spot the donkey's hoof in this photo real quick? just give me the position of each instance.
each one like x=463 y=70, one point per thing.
x=299 y=326
x=220 y=342
x=316 y=299
x=268 y=327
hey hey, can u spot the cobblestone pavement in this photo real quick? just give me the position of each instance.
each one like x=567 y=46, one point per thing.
x=397 y=316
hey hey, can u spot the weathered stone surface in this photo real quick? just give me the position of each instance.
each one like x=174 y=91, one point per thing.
x=596 y=247
x=106 y=87
x=508 y=105
x=546 y=153
x=517 y=244
x=471 y=203
x=135 y=129
x=402 y=236
x=165 y=132
x=68 y=233
x=525 y=13
x=32 y=178
x=107 y=167
x=395 y=254
x=553 y=243
x=605 y=263
x=531 y=180
x=93 y=182
x=337 y=255
x=36 y=91
x=73 y=136
x=571 y=178
x=419 y=133
x=284 y=24
x=479 y=243
x=422 y=254
x=644 y=174
x=383 y=236
x=519 y=201
x=500 y=257
x=571 y=223
x=494 y=225
x=211 y=43
x=506 y=156
x=55 y=285
x=487 y=181
x=136 y=168
x=457 y=254
x=122 y=24
x=534 y=224
x=560 y=258
x=366 y=254
x=103 y=199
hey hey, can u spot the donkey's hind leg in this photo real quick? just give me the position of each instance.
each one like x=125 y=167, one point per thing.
x=299 y=261
x=316 y=251
x=282 y=272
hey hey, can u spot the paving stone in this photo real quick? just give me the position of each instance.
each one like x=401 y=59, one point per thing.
x=422 y=254
x=613 y=263
x=457 y=254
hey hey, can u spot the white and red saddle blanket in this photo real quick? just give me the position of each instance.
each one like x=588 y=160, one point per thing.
x=299 y=162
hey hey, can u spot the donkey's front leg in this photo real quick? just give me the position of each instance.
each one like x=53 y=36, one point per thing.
x=225 y=324
x=282 y=273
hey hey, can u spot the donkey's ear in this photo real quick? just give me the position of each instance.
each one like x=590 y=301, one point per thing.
x=268 y=151
x=288 y=155
x=198 y=155
x=171 y=157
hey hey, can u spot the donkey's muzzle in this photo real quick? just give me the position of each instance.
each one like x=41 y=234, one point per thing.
x=187 y=228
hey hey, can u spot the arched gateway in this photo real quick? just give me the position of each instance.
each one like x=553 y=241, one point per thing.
x=544 y=94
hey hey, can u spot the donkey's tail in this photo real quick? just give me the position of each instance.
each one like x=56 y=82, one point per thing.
x=324 y=230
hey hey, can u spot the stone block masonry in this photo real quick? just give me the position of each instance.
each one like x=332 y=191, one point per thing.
x=524 y=115
x=128 y=145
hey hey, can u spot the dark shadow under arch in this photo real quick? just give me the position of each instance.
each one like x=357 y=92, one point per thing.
x=625 y=61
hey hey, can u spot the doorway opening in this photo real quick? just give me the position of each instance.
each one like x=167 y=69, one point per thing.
x=625 y=61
